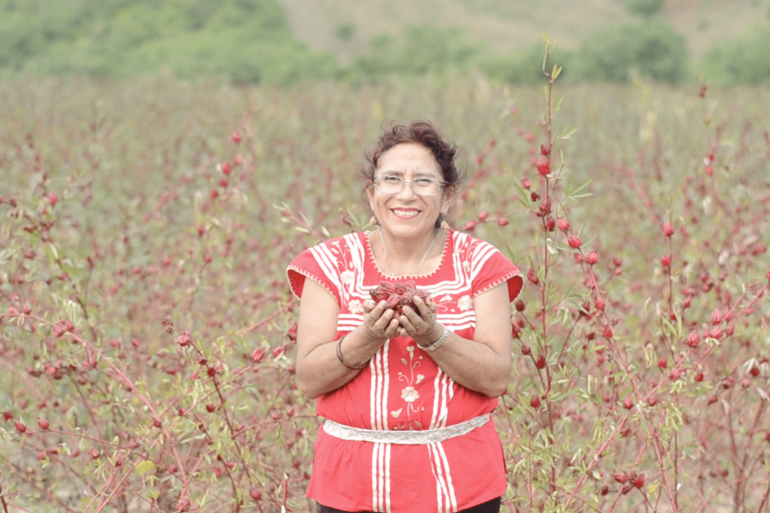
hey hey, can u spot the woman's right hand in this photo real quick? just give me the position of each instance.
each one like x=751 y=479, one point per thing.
x=379 y=322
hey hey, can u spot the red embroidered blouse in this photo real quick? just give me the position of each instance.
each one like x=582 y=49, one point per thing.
x=403 y=389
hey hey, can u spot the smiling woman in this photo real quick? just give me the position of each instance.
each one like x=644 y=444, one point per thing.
x=408 y=398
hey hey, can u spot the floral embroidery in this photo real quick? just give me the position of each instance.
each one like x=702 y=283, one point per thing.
x=409 y=394
x=464 y=303
x=356 y=306
x=467 y=266
x=446 y=298
x=347 y=277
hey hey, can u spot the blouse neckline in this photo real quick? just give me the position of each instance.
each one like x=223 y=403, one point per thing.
x=370 y=252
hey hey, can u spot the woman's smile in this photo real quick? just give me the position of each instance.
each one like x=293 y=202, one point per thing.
x=405 y=213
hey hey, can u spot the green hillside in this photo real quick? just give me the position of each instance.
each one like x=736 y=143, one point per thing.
x=290 y=41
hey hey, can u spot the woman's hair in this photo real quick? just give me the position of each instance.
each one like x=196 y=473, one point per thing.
x=420 y=132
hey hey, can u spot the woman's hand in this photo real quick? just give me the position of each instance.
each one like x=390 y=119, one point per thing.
x=379 y=323
x=422 y=328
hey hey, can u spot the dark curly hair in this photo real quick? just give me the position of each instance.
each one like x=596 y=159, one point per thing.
x=420 y=132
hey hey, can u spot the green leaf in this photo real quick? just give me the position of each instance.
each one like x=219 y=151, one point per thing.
x=144 y=467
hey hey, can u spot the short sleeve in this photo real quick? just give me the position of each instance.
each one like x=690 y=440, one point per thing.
x=489 y=267
x=311 y=263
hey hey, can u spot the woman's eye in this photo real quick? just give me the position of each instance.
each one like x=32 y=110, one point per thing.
x=391 y=179
x=423 y=182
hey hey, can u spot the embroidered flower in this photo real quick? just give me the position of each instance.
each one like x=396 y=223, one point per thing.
x=409 y=394
x=446 y=299
x=467 y=266
x=420 y=377
x=464 y=303
x=356 y=306
x=347 y=277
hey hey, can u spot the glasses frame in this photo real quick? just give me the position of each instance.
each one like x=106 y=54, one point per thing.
x=379 y=179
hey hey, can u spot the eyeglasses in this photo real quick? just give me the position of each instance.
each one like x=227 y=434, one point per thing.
x=421 y=186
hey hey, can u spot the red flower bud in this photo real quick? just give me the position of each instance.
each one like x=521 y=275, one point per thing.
x=278 y=351
x=226 y=168
x=662 y=362
x=535 y=401
x=210 y=408
x=543 y=165
x=716 y=333
x=21 y=428
x=545 y=150
x=257 y=355
x=628 y=403
x=53 y=198
x=550 y=225
x=42 y=423
x=592 y=257
x=526 y=350
x=652 y=401
x=540 y=362
x=255 y=494
x=600 y=305
x=183 y=340
x=574 y=241
x=502 y=222
x=470 y=226
x=483 y=215
x=563 y=224
x=665 y=260
x=668 y=229
x=639 y=481
x=687 y=301
x=620 y=477
x=699 y=377
x=525 y=183
x=534 y=196
x=693 y=339
x=607 y=331
x=532 y=276
x=236 y=137
x=676 y=374
x=520 y=306
x=716 y=317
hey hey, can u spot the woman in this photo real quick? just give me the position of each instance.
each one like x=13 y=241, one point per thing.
x=408 y=401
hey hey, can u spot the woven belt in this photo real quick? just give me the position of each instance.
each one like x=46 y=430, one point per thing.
x=428 y=436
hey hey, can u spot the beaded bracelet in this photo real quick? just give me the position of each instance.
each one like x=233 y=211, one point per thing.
x=342 y=360
x=438 y=343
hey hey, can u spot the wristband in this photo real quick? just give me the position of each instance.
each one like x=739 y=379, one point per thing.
x=438 y=343
x=342 y=360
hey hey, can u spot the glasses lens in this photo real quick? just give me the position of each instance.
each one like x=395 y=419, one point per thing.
x=390 y=184
x=425 y=187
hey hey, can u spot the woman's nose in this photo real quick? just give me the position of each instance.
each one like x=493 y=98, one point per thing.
x=407 y=191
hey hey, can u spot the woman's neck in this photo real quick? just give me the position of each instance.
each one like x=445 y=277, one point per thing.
x=408 y=256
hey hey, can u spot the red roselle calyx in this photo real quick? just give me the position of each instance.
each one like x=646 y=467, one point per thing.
x=592 y=257
x=399 y=295
x=545 y=150
x=693 y=339
x=532 y=276
x=483 y=215
x=525 y=184
x=668 y=229
x=716 y=317
x=543 y=165
x=21 y=428
x=502 y=222
x=43 y=424
x=665 y=260
x=574 y=241
x=236 y=137
x=620 y=477
x=562 y=224
x=535 y=401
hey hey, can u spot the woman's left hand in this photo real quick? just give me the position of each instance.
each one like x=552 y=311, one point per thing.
x=423 y=327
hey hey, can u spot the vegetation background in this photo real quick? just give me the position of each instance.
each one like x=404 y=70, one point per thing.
x=289 y=41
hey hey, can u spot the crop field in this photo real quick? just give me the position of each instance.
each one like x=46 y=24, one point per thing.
x=147 y=332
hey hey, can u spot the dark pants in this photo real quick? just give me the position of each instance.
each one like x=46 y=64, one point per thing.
x=492 y=506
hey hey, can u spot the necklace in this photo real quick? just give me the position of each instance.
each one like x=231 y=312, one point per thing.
x=392 y=274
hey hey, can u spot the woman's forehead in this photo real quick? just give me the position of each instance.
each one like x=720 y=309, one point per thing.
x=408 y=158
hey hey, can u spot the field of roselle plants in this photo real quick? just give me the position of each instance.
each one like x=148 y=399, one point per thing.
x=147 y=330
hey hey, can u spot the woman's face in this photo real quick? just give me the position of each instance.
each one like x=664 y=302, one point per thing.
x=407 y=214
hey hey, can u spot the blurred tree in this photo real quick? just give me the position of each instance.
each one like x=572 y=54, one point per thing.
x=526 y=67
x=644 y=7
x=652 y=48
x=745 y=60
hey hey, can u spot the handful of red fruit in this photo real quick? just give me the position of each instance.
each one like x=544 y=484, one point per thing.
x=399 y=295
